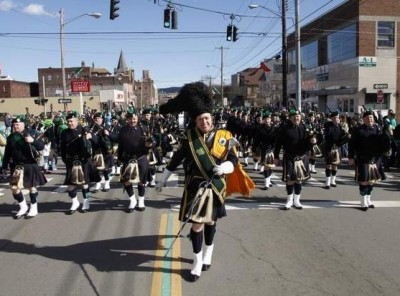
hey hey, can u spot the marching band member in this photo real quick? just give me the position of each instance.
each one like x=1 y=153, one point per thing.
x=335 y=137
x=133 y=147
x=264 y=139
x=102 y=148
x=295 y=141
x=367 y=144
x=76 y=150
x=23 y=150
x=208 y=157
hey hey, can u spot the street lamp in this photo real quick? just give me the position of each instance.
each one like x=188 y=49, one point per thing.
x=62 y=24
x=284 y=46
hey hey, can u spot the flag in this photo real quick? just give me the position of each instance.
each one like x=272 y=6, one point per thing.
x=264 y=66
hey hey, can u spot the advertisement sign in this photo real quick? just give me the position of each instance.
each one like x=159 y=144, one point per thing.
x=80 y=86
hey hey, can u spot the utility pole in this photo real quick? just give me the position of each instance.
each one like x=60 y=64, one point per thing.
x=222 y=76
x=298 y=56
x=284 y=55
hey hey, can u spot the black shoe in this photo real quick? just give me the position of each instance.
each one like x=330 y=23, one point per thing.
x=130 y=210
x=371 y=206
x=298 y=208
x=105 y=190
x=206 y=267
x=265 y=188
x=313 y=172
x=244 y=165
x=16 y=217
x=333 y=185
x=327 y=187
x=286 y=208
x=151 y=186
x=193 y=278
x=29 y=217
x=140 y=209
x=94 y=191
x=364 y=209
x=70 y=212
x=85 y=211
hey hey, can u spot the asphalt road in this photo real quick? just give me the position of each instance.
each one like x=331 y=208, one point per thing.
x=328 y=248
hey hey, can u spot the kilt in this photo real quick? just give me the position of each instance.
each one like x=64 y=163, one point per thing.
x=192 y=184
x=368 y=171
x=33 y=175
x=143 y=166
x=332 y=156
x=90 y=172
x=289 y=172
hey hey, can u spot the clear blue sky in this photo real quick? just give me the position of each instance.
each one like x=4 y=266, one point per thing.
x=29 y=36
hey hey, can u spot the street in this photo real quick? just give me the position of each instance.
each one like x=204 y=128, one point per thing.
x=328 y=248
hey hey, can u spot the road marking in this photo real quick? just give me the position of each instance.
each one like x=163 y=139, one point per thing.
x=167 y=277
x=329 y=204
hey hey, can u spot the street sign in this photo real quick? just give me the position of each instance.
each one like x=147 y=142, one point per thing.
x=380 y=95
x=80 y=86
x=381 y=86
x=64 y=101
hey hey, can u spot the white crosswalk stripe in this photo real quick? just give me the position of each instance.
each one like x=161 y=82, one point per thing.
x=329 y=204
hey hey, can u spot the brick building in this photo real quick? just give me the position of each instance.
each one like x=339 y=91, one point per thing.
x=350 y=58
x=17 y=89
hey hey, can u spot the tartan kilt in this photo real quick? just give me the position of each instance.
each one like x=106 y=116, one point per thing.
x=332 y=156
x=91 y=174
x=33 y=175
x=192 y=184
x=289 y=173
x=367 y=171
x=143 y=167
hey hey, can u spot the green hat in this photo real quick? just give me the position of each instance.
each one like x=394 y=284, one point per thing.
x=18 y=118
x=72 y=114
x=294 y=112
x=334 y=114
x=266 y=114
x=368 y=112
x=98 y=114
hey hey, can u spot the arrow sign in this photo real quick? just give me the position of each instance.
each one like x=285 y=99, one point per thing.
x=64 y=101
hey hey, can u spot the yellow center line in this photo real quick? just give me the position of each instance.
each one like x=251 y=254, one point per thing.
x=167 y=269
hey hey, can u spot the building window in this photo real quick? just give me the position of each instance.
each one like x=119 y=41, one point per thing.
x=386 y=34
x=48 y=77
x=342 y=44
x=309 y=55
x=4 y=88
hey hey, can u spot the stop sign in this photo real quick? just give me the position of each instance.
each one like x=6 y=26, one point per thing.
x=380 y=95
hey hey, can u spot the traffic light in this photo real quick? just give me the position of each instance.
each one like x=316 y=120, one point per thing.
x=37 y=101
x=174 y=20
x=167 y=18
x=229 y=30
x=113 y=9
x=234 y=34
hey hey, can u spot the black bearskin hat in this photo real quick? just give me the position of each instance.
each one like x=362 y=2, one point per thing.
x=194 y=98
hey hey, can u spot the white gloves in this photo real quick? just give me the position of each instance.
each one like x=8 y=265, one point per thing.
x=161 y=183
x=224 y=168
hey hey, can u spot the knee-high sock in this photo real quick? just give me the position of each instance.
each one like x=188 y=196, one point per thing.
x=209 y=233
x=197 y=241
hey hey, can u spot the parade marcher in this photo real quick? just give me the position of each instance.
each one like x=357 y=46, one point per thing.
x=264 y=139
x=208 y=156
x=255 y=149
x=314 y=130
x=113 y=135
x=102 y=152
x=367 y=144
x=295 y=140
x=23 y=149
x=76 y=151
x=335 y=136
x=134 y=144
